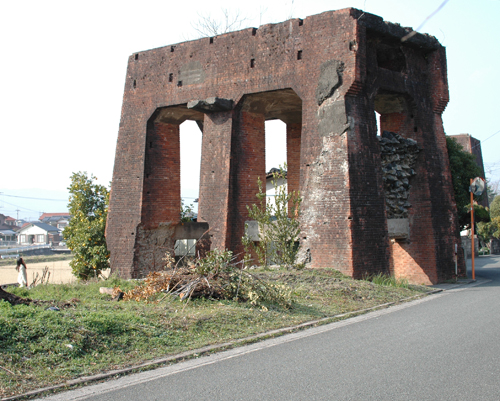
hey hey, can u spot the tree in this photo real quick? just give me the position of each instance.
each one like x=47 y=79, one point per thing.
x=278 y=224
x=493 y=188
x=494 y=225
x=88 y=206
x=208 y=26
x=463 y=167
x=495 y=207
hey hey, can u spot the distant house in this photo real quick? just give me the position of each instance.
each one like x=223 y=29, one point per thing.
x=36 y=233
x=8 y=229
x=10 y=221
x=270 y=190
x=58 y=220
x=7 y=235
x=7 y=220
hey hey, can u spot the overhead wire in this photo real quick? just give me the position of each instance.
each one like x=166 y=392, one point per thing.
x=28 y=197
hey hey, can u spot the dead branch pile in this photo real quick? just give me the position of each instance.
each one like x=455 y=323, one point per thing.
x=184 y=282
x=216 y=276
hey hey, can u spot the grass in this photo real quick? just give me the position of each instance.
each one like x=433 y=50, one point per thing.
x=37 y=259
x=92 y=334
x=384 y=279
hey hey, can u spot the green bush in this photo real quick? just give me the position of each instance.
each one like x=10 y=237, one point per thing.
x=278 y=225
x=88 y=206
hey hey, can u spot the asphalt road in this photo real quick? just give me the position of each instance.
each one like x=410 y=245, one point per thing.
x=444 y=347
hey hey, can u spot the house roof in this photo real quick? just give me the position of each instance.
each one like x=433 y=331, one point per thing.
x=43 y=226
x=54 y=218
x=46 y=215
x=10 y=218
x=7 y=232
x=274 y=170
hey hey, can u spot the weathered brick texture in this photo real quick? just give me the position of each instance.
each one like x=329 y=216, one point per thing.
x=324 y=76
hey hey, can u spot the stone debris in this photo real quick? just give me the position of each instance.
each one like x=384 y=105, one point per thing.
x=399 y=156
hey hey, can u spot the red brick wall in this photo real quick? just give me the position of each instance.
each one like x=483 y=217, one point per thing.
x=293 y=132
x=162 y=176
x=249 y=163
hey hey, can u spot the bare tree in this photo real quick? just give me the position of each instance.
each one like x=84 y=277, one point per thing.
x=209 y=26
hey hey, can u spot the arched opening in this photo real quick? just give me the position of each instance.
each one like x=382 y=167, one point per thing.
x=269 y=134
x=190 y=161
x=276 y=151
x=377 y=121
x=172 y=156
x=276 y=155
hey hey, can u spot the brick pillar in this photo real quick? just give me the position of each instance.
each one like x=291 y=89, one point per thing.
x=249 y=163
x=214 y=176
x=293 y=132
x=161 y=200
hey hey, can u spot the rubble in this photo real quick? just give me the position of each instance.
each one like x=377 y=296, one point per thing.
x=399 y=156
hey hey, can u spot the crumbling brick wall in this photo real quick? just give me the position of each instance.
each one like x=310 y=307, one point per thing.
x=324 y=76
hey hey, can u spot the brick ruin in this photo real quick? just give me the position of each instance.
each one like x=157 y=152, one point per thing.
x=369 y=204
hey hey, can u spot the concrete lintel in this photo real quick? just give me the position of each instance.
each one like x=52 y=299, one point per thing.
x=398 y=228
x=191 y=230
x=211 y=104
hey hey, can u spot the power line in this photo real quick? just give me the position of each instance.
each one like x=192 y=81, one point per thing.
x=413 y=33
x=27 y=197
x=479 y=144
x=29 y=210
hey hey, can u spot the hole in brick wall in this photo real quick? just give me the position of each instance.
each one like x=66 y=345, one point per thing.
x=276 y=154
x=299 y=55
x=377 y=122
x=190 y=160
x=135 y=83
x=275 y=144
x=150 y=145
x=415 y=129
x=179 y=83
x=170 y=77
x=252 y=63
x=147 y=175
x=172 y=48
x=301 y=22
x=211 y=40
x=254 y=31
x=137 y=57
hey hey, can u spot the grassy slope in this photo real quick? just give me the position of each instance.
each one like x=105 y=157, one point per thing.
x=91 y=334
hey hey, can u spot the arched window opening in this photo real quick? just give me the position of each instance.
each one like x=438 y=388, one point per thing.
x=190 y=161
x=276 y=154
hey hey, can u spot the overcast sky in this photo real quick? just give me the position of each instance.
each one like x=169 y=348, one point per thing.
x=64 y=64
